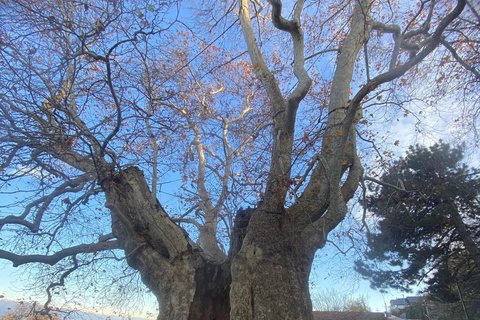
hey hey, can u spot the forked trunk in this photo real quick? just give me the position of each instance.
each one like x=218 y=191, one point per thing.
x=265 y=277
x=268 y=290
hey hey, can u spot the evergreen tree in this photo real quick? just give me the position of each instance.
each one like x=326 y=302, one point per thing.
x=427 y=229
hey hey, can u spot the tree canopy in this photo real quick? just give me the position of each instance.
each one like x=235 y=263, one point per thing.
x=208 y=146
x=428 y=214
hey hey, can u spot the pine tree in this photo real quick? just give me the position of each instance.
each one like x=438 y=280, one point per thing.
x=429 y=232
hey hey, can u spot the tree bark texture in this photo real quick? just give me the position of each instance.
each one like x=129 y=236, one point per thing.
x=268 y=267
x=173 y=268
x=270 y=273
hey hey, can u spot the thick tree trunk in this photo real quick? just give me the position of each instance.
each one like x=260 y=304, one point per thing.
x=186 y=285
x=188 y=288
x=270 y=273
x=266 y=276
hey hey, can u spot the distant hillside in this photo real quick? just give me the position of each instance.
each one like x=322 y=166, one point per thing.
x=7 y=304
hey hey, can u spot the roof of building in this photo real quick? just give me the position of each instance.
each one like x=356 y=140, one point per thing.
x=399 y=302
x=338 y=315
x=406 y=301
x=415 y=299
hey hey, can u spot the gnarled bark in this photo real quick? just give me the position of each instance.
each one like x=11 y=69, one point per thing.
x=270 y=273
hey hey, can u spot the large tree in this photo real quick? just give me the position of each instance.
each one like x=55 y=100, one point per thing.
x=428 y=213
x=102 y=101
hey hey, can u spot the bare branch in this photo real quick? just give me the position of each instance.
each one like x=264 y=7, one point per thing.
x=293 y=27
x=434 y=41
x=460 y=60
x=260 y=68
x=397 y=37
x=18 y=260
x=61 y=283
x=401 y=188
x=74 y=185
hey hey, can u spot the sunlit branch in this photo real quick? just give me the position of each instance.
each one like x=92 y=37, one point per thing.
x=310 y=166
x=259 y=65
x=355 y=172
x=324 y=196
x=229 y=151
x=400 y=187
x=367 y=66
x=188 y=211
x=213 y=154
x=293 y=27
x=190 y=221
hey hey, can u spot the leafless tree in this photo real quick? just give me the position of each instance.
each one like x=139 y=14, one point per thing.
x=103 y=102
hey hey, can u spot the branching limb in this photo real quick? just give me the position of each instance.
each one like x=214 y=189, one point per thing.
x=19 y=260
x=460 y=60
x=310 y=166
x=433 y=42
x=260 y=68
x=396 y=31
x=74 y=185
x=61 y=283
x=294 y=27
x=82 y=199
x=425 y=25
x=190 y=221
x=400 y=187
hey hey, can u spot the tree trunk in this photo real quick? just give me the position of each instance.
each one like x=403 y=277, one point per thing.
x=171 y=265
x=265 y=277
x=271 y=271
